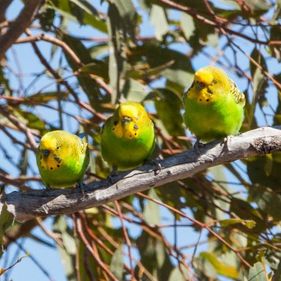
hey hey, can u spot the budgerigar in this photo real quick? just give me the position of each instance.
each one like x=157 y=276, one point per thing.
x=62 y=159
x=128 y=137
x=214 y=106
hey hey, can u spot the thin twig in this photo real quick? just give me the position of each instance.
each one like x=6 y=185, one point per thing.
x=89 y=248
x=55 y=236
x=200 y=224
x=3 y=270
x=218 y=23
x=127 y=239
x=68 y=50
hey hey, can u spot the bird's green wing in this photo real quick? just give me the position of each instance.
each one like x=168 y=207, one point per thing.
x=238 y=96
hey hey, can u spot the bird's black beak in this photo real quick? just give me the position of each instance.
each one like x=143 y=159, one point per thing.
x=45 y=152
x=126 y=119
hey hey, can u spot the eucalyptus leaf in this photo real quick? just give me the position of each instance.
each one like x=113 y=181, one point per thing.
x=260 y=83
x=88 y=83
x=133 y=90
x=69 y=248
x=117 y=264
x=221 y=268
x=44 y=97
x=187 y=25
x=257 y=273
x=247 y=223
x=81 y=10
x=159 y=21
x=153 y=256
x=179 y=274
x=178 y=68
x=151 y=211
x=6 y=221
x=168 y=107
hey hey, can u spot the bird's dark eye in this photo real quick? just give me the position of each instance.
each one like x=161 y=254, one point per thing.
x=45 y=152
x=115 y=122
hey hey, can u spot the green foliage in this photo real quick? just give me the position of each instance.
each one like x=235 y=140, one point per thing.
x=117 y=263
x=6 y=221
x=168 y=106
x=153 y=256
x=219 y=266
x=257 y=272
x=81 y=10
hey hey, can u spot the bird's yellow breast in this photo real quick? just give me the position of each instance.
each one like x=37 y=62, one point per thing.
x=128 y=131
x=52 y=162
x=201 y=94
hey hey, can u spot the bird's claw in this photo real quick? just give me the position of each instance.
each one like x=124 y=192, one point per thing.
x=157 y=166
x=111 y=177
x=226 y=141
x=81 y=186
x=198 y=145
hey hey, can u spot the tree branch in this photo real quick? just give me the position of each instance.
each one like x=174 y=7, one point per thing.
x=218 y=22
x=23 y=20
x=27 y=205
x=4 y=5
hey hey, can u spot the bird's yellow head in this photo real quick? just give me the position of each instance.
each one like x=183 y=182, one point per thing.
x=126 y=120
x=49 y=150
x=48 y=144
x=210 y=75
x=204 y=76
x=207 y=81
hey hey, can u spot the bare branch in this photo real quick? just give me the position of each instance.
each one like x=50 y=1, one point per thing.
x=4 y=5
x=19 y=25
x=53 y=40
x=17 y=231
x=27 y=205
x=219 y=23
x=43 y=37
x=4 y=270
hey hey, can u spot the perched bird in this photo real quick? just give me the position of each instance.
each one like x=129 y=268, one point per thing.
x=213 y=105
x=128 y=137
x=62 y=159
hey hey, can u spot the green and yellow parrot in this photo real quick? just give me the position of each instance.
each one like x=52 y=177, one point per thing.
x=62 y=159
x=213 y=105
x=128 y=137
